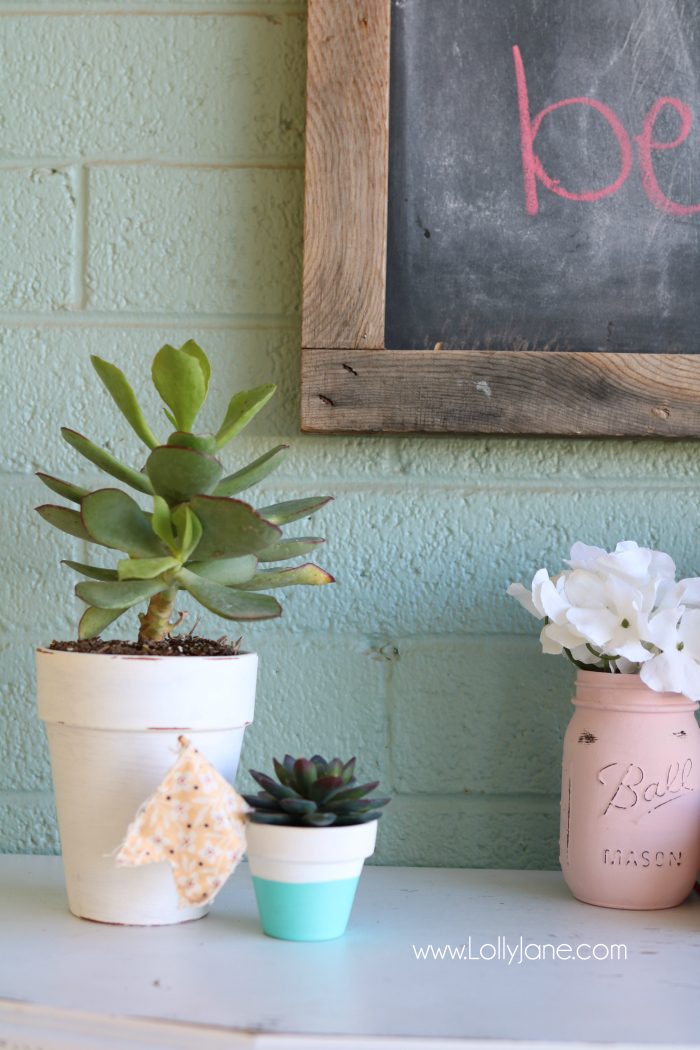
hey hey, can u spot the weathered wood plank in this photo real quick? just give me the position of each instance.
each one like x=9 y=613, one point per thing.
x=491 y=392
x=347 y=122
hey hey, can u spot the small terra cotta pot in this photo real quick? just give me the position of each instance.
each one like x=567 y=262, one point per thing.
x=630 y=807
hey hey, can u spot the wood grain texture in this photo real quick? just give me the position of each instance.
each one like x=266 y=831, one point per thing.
x=347 y=128
x=492 y=392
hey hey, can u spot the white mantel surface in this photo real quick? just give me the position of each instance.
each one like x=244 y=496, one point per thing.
x=66 y=984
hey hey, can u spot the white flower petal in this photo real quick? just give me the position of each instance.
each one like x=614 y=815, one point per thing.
x=627 y=666
x=665 y=673
x=584 y=557
x=549 y=645
x=595 y=625
x=546 y=596
x=633 y=651
x=522 y=595
x=586 y=589
x=691 y=684
x=563 y=634
x=662 y=566
x=663 y=628
x=670 y=594
x=689 y=633
x=690 y=591
x=632 y=562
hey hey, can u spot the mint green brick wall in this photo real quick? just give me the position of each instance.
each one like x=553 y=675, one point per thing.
x=151 y=182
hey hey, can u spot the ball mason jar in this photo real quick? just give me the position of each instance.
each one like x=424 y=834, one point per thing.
x=630 y=806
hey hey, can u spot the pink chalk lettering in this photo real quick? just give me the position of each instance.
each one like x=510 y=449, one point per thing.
x=533 y=168
x=646 y=144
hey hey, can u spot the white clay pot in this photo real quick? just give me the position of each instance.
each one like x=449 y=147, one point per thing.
x=305 y=878
x=113 y=724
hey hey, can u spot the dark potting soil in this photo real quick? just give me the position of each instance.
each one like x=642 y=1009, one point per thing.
x=176 y=645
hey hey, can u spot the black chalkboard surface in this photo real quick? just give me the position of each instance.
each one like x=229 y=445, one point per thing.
x=489 y=176
x=544 y=176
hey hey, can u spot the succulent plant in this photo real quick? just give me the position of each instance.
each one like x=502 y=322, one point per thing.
x=195 y=536
x=311 y=792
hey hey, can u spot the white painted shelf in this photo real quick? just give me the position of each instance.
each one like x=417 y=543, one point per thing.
x=66 y=984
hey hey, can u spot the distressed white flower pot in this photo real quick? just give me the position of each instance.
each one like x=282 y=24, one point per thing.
x=305 y=878
x=113 y=724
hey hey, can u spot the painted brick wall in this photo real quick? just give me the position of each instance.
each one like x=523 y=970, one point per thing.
x=151 y=171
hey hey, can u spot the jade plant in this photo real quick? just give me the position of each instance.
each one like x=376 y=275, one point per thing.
x=311 y=792
x=195 y=535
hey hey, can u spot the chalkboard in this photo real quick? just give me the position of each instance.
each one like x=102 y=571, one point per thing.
x=502 y=217
x=487 y=249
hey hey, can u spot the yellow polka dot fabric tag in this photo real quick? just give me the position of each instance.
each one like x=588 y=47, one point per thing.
x=196 y=822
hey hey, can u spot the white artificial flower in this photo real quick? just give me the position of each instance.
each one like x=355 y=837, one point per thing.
x=612 y=617
x=689 y=592
x=676 y=667
x=584 y=557
x=621 y=611
x=545 y=600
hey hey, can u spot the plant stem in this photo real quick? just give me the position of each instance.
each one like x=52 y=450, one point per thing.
x=155 y=622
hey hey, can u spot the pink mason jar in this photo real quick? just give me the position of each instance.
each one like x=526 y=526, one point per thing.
x=630 y=806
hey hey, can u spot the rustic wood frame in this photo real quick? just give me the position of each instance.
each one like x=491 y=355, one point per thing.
x=350 y=382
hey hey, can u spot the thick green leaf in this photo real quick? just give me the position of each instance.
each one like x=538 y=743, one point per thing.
x=161 y=523
x=261 y=816
x=115 y=520
x=252 y=474
x=344 y=819
x=271 y=787
x=231 y=528
x=177 y=474
x=66 y=520
x=308 y=575
x=319 y=820
x=242 y=407
x=324 y=786
x=228 y=602
x=294 y=547
x=305 y=774
x=188 y=531
x=293 y=509
x=124 y=398
x=180 y=380
x=261 y=801
x=119 y=595
x=62 y=488
x=228 y=571
x=348 y=771
x=94 y=571
x=297 y=806
x=93 y=621
x=347 y=794
x=200 y=442
x=360 y=805
x=144 y=568
x=107 y=462
x=283 y=774
x=194 y=350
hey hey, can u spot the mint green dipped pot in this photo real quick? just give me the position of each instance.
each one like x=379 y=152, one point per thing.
x=305 y=878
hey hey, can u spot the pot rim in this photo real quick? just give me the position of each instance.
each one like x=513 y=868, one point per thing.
x=293 y=844
x=119 y=692
x=142 y=656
